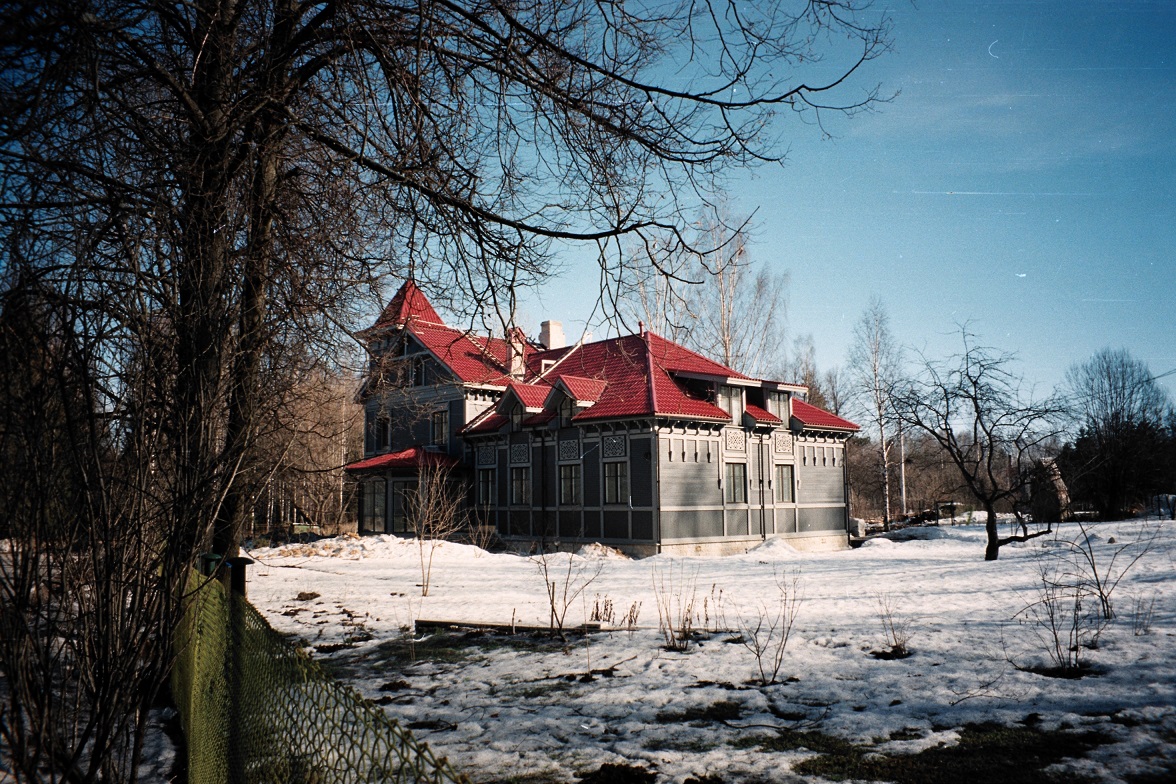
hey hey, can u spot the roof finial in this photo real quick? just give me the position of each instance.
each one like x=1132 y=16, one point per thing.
x=640 y=327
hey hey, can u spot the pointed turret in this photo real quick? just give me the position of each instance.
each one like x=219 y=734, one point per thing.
x=408 y=304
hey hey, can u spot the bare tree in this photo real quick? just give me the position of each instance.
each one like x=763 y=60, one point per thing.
x=436 y=513
x=202 y=188
x=312 y=430
x=801 y=367
x=835 y=387
x=973 y=407
x=703 y=297
x=875 y=364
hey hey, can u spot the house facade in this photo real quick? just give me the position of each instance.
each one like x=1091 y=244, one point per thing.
x=635 y=442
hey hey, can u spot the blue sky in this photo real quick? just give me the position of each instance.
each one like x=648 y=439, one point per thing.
x=1022 y=180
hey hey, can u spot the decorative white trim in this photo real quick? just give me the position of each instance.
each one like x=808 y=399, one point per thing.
x=734 y=439
x=614 y=446
x=782 y=441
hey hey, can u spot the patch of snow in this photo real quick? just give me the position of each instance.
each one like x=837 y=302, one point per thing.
x=520 y=707
x=776 y=548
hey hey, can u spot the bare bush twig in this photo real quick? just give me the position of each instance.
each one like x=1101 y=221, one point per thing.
x=766 y=633
x=676 y=595
x=895 y=630
x=564 y=586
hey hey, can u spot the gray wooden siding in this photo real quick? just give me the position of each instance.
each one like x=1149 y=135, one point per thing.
x=692 y=524
x=821 y=485
x=823 y=519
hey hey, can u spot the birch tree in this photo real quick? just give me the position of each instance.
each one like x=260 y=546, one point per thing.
x=874 y=365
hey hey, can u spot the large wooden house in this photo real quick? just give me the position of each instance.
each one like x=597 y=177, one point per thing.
x=634 y=441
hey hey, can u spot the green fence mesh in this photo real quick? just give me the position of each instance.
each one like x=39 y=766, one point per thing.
x=256 y=709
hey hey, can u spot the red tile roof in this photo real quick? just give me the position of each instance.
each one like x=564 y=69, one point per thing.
x=583 y=390
x=542 y=418
x=530 y=395
x=409 y=303
x=489 y=421
x=412 y=458
x=810 y=416
x=761 y=415
x=473 y=359
x=622 y=377
x=636 y=372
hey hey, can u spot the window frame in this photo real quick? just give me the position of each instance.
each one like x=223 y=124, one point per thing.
x=570 y=484
x=439 y=427
x=520 y=485
x=373 y=496
x=784 y=482
x=485 y=488
x=615 y=476
x=735 y=488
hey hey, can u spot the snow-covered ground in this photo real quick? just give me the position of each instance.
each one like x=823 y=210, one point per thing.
x=518 y=707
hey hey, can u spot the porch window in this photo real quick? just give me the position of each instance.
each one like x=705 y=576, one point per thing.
x=371 y=506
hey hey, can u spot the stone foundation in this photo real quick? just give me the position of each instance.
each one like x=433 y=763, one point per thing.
x=714 y=547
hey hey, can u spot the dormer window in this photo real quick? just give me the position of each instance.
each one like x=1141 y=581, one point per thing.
x=567 y=410
x=731 y=401
x=779 y=405
x=546 y=365
x=516 y=419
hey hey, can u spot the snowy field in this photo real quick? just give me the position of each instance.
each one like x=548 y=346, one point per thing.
x=523 y=707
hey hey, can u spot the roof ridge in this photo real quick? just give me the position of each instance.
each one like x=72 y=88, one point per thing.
x=649 y=373
x=701 y=356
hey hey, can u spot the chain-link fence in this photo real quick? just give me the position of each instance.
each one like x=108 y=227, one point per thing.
x=256 y=709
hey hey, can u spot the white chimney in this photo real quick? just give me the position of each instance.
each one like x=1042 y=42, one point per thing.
x=516 y=357
x=551 y=334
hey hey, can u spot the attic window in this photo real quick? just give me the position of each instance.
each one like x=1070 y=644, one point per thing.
x=418 y=370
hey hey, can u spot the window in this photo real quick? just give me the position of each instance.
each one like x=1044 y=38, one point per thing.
x=567 y=410
x=735 y=491
x=402 y=494
x=520 y=485
x=783 y=488
x=417 y=371
x=731 y=401
x=616 y=482
x=569 y=484
x=440 y=426
x=780 y=405
x=486 y=486
x=516 y=419
x=371 y=506
x=369 y=431
x=383 y=426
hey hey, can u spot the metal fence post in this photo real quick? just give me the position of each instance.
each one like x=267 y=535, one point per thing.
x=237 y=749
